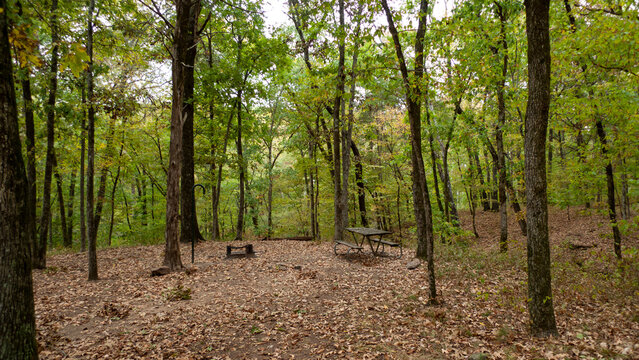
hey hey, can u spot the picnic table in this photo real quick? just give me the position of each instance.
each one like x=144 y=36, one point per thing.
x=375 y=240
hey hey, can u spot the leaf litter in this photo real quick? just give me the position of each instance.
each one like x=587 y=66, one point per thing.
x=297 y=300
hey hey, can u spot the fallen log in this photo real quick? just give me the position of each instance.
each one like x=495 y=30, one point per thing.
x=297 y=238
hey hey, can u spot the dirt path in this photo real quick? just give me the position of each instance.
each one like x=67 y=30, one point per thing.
x=298 y=300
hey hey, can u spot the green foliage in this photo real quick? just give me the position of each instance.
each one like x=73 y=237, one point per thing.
x=286 y=99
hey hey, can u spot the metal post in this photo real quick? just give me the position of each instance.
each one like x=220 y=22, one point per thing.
x=194 y=226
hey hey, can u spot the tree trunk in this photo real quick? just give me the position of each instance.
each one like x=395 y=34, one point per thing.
x=218 y=184
x=104 y=171
x=625 y=200
x=93 y=259
x=70 y=206
x=550 y=152
x=421 y=200
x=115 y=186
x=188 y=218
x=471 y=195
x=31 y=160
x=184 y=46
x=604 y=150
x=347 y=127
x=359 y=181
x=514 y=203
x=17 y=318
x=451 y=208
x=480 y=175
x=41 y=253
x=499 y=129
x=126 y=208
x=494 y=201
x=83 y=229
x=241 y=206
x=337 y=126
x=433 y=159
x=582 y=159
x=610 y=181
x=66 y=239
x=540 y=300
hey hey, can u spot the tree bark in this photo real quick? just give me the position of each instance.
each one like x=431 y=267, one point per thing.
x=92 y=253
x=625 y=200
x=70 y=206
x=66 y=240
x=472 y=197
x=115 y=186
x=540 y=300
x=241 y=206
x=17 y=318
x=480 y=174
x=359 y=181
x=188 y=219
x=337 y=126
x=421 y=200
x=218 y=184
x=31 y=159
x=41 y=253
x=184 y=39
x=433 y=159
x=499 y=129
x=83 y=134
x=610 y=182
x=104 y=171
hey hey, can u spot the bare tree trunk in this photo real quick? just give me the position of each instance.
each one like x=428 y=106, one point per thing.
x=41 y=253
x=115 y=186
x=625 y=200
x=540 y=299
x=312 y=194
x=421 y=200
x=126 y=208
x=93 y=259
x=433 y=159
x=17 y=318
x=215 y=197
x=471 y=195
x=610 y=181
x=480 y=174
x=241 y=206
x=104 y=171
x=188 y=217
x=183 y=53
x=66 y=239
x=70 y=206
x=31 y=160
x=582 y=158
x=337 y=126
x=551 y=136
x=499 y=129
x=83 y=134
x=451 y=208
x=359 y=181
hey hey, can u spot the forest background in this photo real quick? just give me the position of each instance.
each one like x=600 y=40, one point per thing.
x=262 y=130
x=272 y=120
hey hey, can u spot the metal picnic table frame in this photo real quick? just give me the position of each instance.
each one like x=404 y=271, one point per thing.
x=371 y=236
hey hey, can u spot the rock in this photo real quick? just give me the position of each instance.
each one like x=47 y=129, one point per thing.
x=413 y=264
x=297 y=267
x=478 y=356
x=160 y=271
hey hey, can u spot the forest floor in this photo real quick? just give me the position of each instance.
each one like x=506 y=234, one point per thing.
x=298 y=300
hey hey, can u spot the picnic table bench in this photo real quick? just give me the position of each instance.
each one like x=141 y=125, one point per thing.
x=375 y=240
